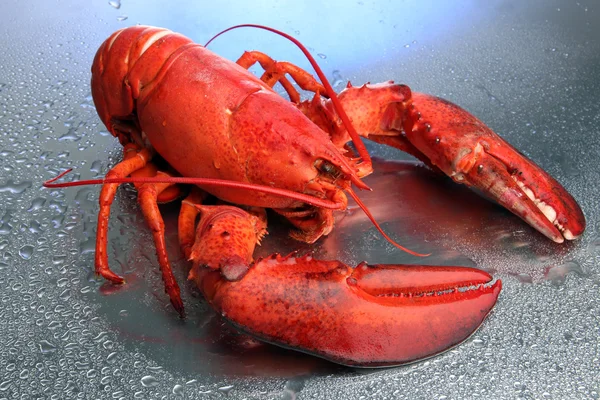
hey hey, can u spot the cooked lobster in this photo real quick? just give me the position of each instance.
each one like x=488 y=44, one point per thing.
x=185 y=114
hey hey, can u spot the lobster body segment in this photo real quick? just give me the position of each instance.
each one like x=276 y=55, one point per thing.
x=174 y=103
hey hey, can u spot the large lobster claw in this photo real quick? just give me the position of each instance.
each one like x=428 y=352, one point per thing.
x=367 y=316
x=450 y=139
x=468 y=151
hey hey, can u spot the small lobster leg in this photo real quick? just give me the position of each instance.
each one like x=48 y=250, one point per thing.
x=171 y=193
x=186 y=224
x=148 y=194
x=275 y=72
x=137 y=163
x=365 y=316
x=134 y=162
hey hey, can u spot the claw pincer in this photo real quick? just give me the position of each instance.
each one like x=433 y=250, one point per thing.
x=371 y=315
x=452 y=140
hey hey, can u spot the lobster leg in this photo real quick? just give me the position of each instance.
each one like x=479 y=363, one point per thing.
x=107 y=195
x=137 y=163
x=275 y=72
x=225 y=236
x=147 y=197
x=186 y=224
x=171 y=193
x=310 y=222
x=365 y=316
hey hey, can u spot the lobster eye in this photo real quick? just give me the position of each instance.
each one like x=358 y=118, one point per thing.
x=327 y=168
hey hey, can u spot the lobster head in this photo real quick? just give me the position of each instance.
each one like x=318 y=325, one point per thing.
x=290 y=152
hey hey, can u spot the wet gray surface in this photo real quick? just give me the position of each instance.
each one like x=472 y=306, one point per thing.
x=528 y=69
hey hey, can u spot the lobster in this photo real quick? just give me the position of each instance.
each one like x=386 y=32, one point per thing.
x=186 y=115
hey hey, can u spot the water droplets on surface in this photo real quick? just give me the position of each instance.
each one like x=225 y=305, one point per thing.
x=25 y=252
x=557 y=274
x=337 y=78
x=14 y=188
x=178 y=390
x=149 y=381
x=225 y=389
x=46 y=347
x=115 y=3
x=122 y=18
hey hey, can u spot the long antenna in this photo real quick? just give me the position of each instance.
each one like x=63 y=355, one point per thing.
x=290 y=194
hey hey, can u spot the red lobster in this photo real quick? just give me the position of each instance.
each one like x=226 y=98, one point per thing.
x=180 y=109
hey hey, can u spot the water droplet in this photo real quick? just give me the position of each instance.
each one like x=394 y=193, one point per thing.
x=524 y=278
x=70 y=135
x=14 y=188
x=96 y=166
x=5 y=385
x=337 y=78
x=225 y=389
x=122 y=17
x=112 y=357
x=25 y=252
x=178 y=390
x=149 y=381
x=65 y=295
x=46 y=347
x=323 y=56
x=116 y=4
x=36 y=204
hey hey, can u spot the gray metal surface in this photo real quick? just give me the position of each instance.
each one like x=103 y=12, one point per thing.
x=530 y=70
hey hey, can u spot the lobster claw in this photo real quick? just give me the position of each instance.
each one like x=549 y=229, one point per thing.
x=469 y=152
x=368 y=316
x=448 y=138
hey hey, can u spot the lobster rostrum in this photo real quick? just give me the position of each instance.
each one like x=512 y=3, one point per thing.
x=186 y=115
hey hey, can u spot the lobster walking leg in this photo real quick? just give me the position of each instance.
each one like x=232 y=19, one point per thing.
x=136 y=163
x=147 y=197
x=171 y=193
x=186 y=224
x=275 y=72
x=107 y=195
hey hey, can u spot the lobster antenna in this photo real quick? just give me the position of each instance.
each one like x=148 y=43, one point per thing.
x=360 y=146
x=315 y=201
